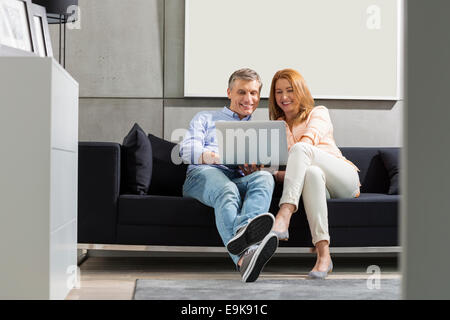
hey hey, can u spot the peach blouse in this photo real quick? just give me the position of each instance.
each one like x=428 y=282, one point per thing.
x=319 y=129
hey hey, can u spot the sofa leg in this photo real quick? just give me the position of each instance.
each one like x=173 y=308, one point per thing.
x=82 y=255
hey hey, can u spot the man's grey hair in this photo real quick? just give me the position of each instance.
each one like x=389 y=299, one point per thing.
x=244 y=74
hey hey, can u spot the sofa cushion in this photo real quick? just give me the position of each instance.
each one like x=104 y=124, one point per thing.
x=164 y=211
x=138 y=161
x=168 y=177
x=373 y=175
x=370 y=220
x=369 y=210
x=390 y=159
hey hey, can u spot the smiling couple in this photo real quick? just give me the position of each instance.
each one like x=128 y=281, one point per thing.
x=241 y=197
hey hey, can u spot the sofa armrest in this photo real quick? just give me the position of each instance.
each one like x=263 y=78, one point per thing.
x=98 y=191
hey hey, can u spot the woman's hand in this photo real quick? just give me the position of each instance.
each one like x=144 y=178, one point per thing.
x=246 y=169
x=279 y=176
x=307 y=139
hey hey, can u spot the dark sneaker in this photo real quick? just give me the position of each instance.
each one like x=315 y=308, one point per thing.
x=256 y=257
x=255 y=230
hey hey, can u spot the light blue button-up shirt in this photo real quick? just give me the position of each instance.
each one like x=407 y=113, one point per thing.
x=201 y=135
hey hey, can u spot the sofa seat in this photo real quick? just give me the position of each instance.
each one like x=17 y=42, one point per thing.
x=169 y=217
x=370 y=209
x=165 y=221
x=371 y=220
x=164 y=211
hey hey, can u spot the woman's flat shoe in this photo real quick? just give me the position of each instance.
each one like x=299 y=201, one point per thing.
x=320 y=275
x=282 y=235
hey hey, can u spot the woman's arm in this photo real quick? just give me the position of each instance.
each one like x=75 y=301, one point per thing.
x=307 y=139
x=318 y=125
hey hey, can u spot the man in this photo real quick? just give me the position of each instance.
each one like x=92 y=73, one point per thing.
x=240 y=198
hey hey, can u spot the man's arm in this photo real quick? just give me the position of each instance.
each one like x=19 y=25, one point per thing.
x=246 y=169
x=192 y=148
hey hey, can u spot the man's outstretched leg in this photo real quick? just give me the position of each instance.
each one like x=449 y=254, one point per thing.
x=212 y=187
x=254 y=224
x=255 y=258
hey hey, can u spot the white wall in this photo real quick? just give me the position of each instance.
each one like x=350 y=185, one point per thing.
x=334 y=44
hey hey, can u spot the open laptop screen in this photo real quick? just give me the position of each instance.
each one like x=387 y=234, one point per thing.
x=252 y=142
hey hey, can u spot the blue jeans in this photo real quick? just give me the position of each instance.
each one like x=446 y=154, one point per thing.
x=235 y=199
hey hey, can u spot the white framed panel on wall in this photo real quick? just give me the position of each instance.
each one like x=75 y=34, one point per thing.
x=345 y=49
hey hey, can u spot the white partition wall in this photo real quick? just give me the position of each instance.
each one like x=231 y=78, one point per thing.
x=345 y=49
x=38 y=179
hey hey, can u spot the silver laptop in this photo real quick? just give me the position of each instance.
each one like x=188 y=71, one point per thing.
x=252 y=142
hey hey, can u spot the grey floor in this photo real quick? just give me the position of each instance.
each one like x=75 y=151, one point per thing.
x=106 y=277
x=268 y=289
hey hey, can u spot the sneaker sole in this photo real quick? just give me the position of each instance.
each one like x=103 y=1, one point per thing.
x=262 y=258
x=254 y=232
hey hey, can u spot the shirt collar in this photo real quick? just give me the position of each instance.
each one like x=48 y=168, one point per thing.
x=234 y=115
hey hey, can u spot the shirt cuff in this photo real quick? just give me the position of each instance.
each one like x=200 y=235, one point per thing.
x=313 y=136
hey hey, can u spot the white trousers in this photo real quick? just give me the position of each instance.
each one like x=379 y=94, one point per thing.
x=317 y=175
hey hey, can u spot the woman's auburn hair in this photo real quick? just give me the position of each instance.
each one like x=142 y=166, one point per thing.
x=301 y=93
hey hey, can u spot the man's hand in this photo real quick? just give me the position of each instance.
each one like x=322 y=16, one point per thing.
x=246 y=169
x=279 y=176
x=209 y=157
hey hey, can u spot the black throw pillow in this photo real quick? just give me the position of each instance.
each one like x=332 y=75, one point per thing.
x=168 y=177
x=390 y=158
x=137 y=152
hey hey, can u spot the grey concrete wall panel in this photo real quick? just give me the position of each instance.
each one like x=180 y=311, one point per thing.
x=111 y=119
x=174 y=49
x=118 y=51
x=368 y=127
x=352 y=128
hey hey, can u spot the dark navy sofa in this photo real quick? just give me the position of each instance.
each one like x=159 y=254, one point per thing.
x=107 y=215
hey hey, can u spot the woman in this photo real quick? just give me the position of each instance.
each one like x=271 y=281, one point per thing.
x=315 y=169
